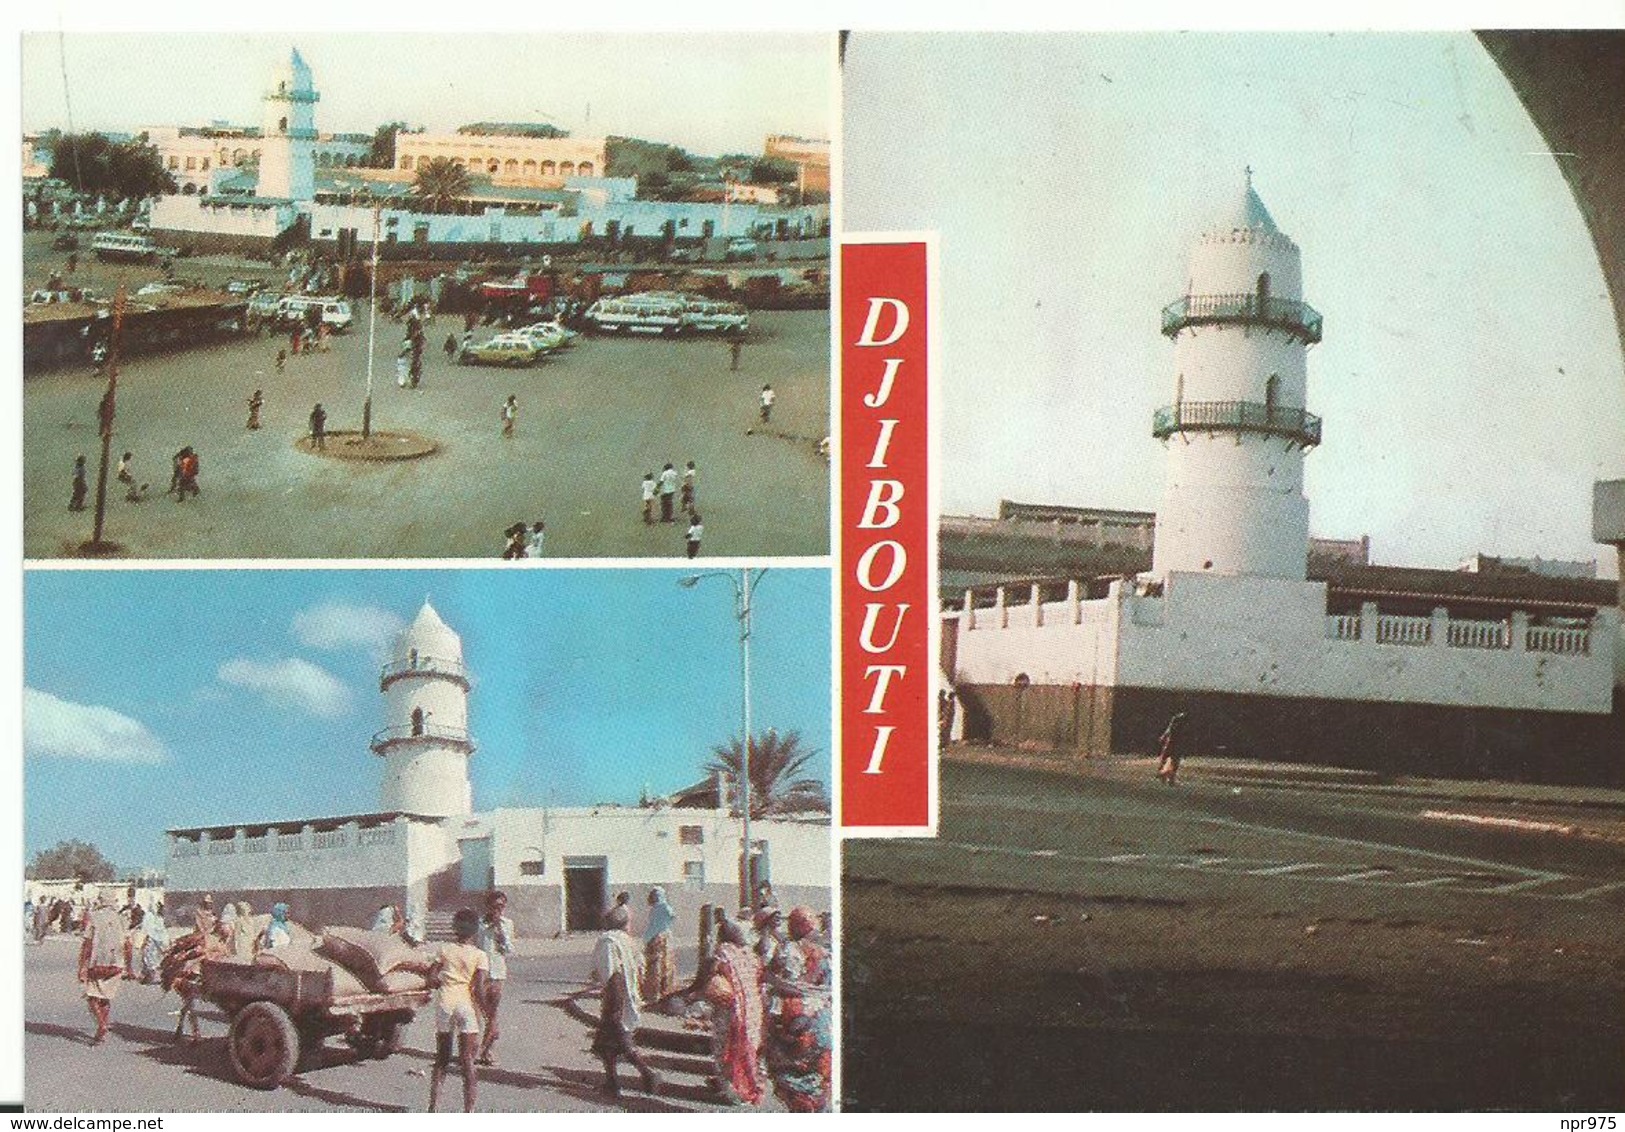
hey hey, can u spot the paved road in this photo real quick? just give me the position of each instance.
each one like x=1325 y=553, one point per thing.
x=1108 y=943
x=545 y=1066
x=592 y=421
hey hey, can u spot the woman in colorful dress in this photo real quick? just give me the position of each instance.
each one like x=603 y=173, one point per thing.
x=799 y=1042
x=735 y=994
x=659 y=953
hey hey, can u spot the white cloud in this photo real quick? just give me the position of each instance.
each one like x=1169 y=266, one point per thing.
x=334 y=625
x=58 y=728
x=290 y=683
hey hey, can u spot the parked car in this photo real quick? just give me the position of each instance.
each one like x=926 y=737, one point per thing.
x=243 y=286
x=503 y=350
x=740 y=247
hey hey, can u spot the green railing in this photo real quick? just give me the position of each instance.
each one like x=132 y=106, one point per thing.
x=1282 y=314
x=1236 y=416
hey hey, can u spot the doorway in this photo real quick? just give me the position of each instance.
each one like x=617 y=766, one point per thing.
x=586 y=883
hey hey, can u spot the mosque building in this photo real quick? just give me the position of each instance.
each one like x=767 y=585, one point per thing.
x=426 y=847
x=523 y=191
x=1422 y=671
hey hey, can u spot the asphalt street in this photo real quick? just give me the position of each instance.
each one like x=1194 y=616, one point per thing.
x=1104 y=942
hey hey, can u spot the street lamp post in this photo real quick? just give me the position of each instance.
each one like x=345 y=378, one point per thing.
x=742 y=612
x=372 y=323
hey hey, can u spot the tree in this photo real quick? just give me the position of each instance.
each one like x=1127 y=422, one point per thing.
x=774 y=171
x=777 y=784
x=75 y=858
x=441 y=183
x=94 y=165
x=381 y=154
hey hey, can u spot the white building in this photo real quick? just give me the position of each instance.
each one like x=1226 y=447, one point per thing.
x=541 y=191
x=426 y=847
x=1226 y=627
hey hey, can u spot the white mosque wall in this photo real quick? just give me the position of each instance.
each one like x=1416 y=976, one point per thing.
x=191 y=214
x=1056 y=642
x=444 y=702
x=1225 y=363
x=1263 y=636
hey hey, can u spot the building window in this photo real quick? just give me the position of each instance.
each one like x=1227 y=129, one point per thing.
x=584 y=169
x=690 y=835
x=174 y=162
x=205 y=165
x=530 y=868
x=492 y=167
x=406 y=162
x=567 y=168
x=548 y=169
x=530 y=168
x=510 y=167
x=694 y=872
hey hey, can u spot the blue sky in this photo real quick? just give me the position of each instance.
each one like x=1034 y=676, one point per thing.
x=1470 y=378
x=707 y=92
x=169 y=698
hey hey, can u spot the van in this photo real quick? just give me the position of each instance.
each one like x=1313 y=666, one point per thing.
x=336 y=313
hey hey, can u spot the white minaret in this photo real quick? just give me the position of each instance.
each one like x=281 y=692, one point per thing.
x=287 y=161
x=1236 y=431
x=425 y=742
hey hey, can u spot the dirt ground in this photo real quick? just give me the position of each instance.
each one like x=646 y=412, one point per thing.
x=592 y=421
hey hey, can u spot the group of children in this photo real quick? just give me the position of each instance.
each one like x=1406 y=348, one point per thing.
x=674 y=491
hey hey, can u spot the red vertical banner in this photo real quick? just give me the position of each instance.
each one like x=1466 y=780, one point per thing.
x=887 y=554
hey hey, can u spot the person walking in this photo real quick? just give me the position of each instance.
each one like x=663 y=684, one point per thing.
x=76 y=501
x=538 y=535
x=510 y=414
x=188 y=468
x=125 y=475
x=690 y=474
x=101 y=960
x=767 y=399
x=459 y=974
x=668 y=494
x=648 y=498
x=255 y=404
x=281 y=360
x=1171 y=748
x=318 y=428
x=403 y=367
x=696 y=531
x=495 y=938
x=736 y=346
x=451 y=347
x=617 y=966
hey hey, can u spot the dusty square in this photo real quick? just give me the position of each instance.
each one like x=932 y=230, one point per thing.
x=592 y=420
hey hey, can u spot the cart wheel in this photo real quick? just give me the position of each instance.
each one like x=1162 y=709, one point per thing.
x=264 y=1045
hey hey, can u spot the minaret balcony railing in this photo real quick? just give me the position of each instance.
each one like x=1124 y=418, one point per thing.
x=1236 y=416
x=429 y=734
x=1289 y=315
x=453 y=670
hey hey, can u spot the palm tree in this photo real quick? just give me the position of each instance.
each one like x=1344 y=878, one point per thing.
x=777 y=784
x=440 y=183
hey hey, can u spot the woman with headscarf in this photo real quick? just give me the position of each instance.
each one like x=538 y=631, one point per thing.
x=242 y=936
x=659 y=955
x=152 y=955
x=735 y=994
x=101 y=960
x=616 y=964
x=277 y=933
x=799 y=1044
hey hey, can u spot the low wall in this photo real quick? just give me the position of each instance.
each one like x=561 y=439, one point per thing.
x=316 y=908
x=1397 y=738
